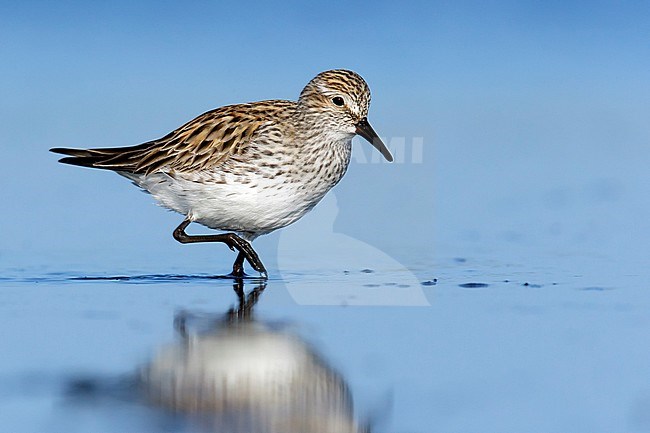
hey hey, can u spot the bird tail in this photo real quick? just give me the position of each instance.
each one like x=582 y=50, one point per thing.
x=81 y=157
x=116 y=158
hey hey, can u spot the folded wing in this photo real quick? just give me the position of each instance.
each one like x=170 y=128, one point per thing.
x=202 y=143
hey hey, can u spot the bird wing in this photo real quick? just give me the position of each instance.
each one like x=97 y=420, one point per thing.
x=202 y=143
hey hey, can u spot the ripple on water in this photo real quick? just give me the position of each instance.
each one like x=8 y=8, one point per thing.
x=473 y=285
x=60 y=277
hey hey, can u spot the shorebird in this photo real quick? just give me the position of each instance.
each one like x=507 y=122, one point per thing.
x=249 y=169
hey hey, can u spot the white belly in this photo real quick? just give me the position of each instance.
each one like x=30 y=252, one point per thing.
x=253 y=208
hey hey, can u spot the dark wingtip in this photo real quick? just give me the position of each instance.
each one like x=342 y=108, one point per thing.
x=74 y=160
x=80 y=157
x=70 y=152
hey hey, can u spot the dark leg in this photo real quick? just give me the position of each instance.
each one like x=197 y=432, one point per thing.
x=238 y=266
x=233 y=241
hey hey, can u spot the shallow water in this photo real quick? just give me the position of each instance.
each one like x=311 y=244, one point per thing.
x=495 y=345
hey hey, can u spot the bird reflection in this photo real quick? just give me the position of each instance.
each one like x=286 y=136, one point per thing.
x=237 y=374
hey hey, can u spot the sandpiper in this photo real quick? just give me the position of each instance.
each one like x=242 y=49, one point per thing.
x=249 y=169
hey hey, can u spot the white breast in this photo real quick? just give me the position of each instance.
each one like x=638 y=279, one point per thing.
x=257 y=207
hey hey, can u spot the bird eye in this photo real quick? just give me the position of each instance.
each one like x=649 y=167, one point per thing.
x=337 y=100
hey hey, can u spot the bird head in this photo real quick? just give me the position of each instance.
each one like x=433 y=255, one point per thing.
x=340 y=99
